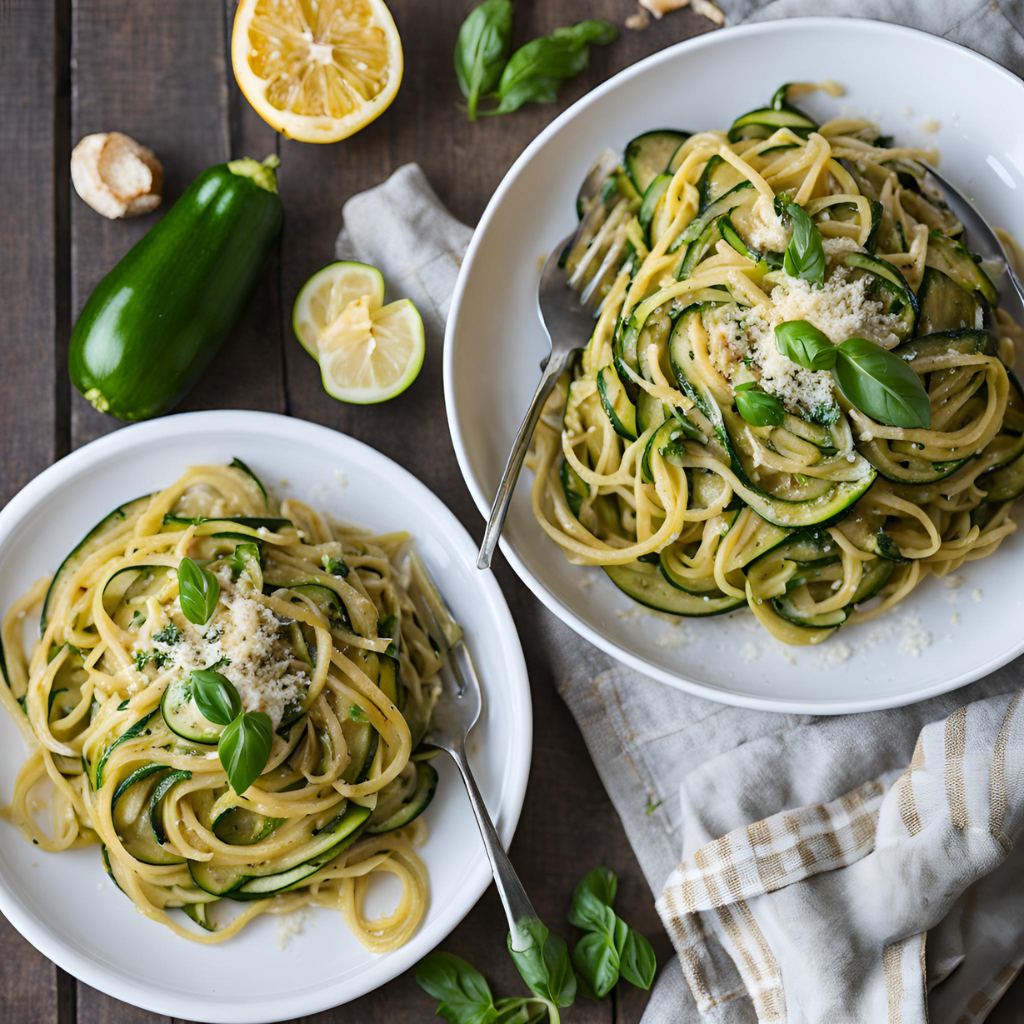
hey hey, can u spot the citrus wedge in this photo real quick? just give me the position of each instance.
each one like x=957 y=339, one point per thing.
x=316 y=71
x=326 y=294
x=368 y=352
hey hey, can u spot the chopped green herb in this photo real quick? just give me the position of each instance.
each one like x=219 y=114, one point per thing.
x=334 y=566
x=169 y=635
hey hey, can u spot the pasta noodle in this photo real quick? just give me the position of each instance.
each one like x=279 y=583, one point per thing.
x=817 y=513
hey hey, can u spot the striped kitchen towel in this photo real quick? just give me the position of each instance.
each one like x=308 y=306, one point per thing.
x=824 y=913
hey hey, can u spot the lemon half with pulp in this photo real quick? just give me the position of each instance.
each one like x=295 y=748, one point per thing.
x=368 y=352
x=316 y=70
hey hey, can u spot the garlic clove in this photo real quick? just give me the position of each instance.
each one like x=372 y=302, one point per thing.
x=116 y=175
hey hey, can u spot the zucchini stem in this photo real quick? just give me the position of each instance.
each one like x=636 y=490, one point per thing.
x=261 y=174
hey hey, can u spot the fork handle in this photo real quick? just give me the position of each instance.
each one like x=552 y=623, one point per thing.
x=513 y=896
x=496 y=520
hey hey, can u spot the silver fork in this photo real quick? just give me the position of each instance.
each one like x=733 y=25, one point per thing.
x=565 y=303
x=457 y=711
x=983 y=240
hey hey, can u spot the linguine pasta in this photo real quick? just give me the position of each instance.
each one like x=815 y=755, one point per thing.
x=314 y=626
x=647 y=464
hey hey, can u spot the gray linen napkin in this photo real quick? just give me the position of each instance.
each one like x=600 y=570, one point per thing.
x=683 y=771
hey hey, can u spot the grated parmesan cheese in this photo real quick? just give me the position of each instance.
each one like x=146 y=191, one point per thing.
x=247 y=634
x=840 y=309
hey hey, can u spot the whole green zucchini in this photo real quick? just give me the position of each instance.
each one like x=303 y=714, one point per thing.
x=157 y=319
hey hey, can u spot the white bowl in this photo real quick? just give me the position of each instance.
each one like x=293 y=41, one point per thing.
x=494 y=343
x=64 y=904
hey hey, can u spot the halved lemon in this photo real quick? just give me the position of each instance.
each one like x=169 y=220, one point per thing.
x=316 y=70
x=368 y=352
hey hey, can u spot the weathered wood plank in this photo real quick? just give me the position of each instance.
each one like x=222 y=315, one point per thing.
x=29 y=133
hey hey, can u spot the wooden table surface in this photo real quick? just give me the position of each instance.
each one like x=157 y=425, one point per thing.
x=160 y=73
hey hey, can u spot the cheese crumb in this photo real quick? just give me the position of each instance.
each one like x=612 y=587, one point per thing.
x=750 y=652
x=915 y=637
x=834 y=654
x=976 y=596
x=290 y=925
x=953 y=581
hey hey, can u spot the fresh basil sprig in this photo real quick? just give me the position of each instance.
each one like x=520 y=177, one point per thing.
x=482 y=50
x=198 y=591
x=758 y=408
x=610 y=949
x=881 y=385
x=215 y=696
x=465 y=996
x=244 y=748
x=535 y=71
x=244 y=745
x=805 y=254
x=872 y=379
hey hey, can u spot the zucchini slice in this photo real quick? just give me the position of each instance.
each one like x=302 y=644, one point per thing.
x=617 y=406
x=95 y=772
x=426 y=786
x=739 y=195
x=132 y=809
x=256 y=881
x=718 y=177
x=953 y=259
x=760 y=124
x=945 y=305
x=240 y=826
x=645 y=584
x=653 y=199
x=93 y=540
x=651 y=154
x=890 y=288
x=1005 y=483
x=182 y=715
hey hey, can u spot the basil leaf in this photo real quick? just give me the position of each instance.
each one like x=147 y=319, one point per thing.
x=198 y=590
x=244 y=748
x=215 y=696
x=462 y=991
x=482 y=50
x=637 y=962
x=805 y=345
x=535 y=71
x=805 y=255
x=758 y=408
x=544 y=964
x=592 y=900
x=881 y=385
x=597 y=961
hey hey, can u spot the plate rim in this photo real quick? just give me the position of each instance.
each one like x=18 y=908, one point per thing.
x=716 y=37
x=64 y=953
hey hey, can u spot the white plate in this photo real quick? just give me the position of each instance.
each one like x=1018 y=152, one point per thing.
x=494 y=343
x=64 y=904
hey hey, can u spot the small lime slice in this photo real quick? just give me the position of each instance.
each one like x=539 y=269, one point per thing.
x=327 y=293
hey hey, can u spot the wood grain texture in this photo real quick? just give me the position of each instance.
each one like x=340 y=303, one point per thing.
x=29 y=41
x=160 y=72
